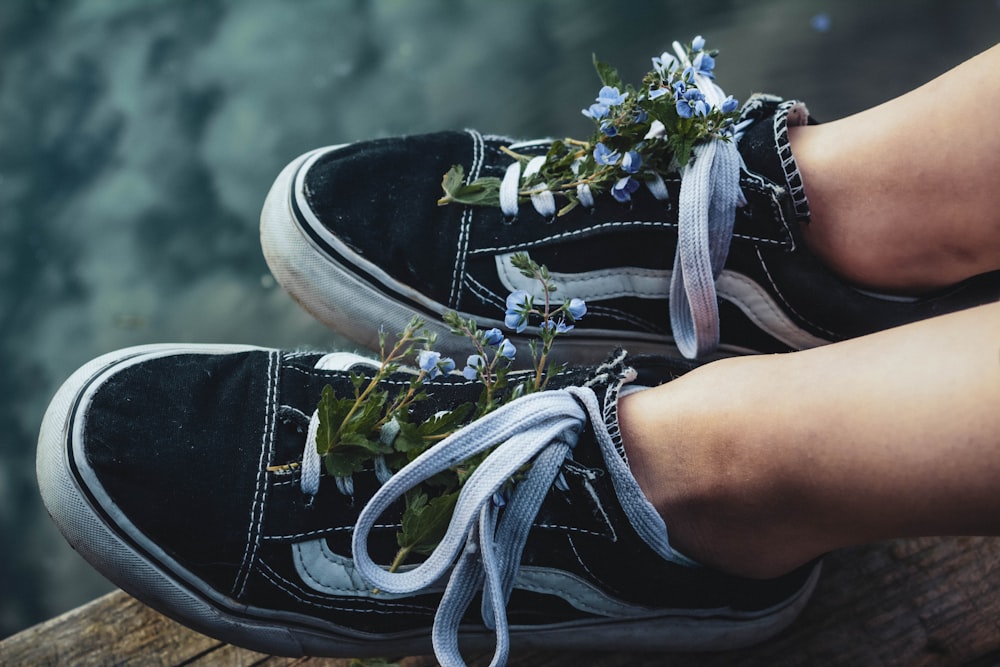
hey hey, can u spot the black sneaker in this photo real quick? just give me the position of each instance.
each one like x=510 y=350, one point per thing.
x=182 y=473
x=354 y=233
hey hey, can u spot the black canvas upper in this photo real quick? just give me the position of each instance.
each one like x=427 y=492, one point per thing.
x=173 y=452
x=379 y=199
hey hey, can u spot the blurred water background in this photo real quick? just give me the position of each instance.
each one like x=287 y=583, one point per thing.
x=138 y=139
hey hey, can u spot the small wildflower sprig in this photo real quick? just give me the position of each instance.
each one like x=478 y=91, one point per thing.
x=349 y=427
x=553 y=320
x=372 y=428
x=489 y=363
x=641 y=135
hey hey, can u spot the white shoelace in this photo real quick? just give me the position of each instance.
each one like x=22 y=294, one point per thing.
x=482 y=552
x=706 y=210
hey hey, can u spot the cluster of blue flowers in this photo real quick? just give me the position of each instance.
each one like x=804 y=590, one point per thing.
x=493 y=351
x=476 y=363
x=433 y=364
x=520 y=305
x=625 y=116
x=643 y=134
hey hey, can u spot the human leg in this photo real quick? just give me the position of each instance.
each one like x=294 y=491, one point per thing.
x=904 y=195
x=758 y=464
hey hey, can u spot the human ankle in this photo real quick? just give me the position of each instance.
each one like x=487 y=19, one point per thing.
x=877 y=227
x=719 y=493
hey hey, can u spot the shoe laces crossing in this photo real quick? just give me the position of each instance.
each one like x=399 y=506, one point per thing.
x=482 y=546
x=706 y=211
x=528 y=441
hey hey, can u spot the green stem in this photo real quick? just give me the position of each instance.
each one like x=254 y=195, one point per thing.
x=546 y=332
x=401 y=403
x=400 y=557
x=405 y=338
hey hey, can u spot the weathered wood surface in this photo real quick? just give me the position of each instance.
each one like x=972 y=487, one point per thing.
x=914 y=602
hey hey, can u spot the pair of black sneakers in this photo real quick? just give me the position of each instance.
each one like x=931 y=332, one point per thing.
x=300 y=503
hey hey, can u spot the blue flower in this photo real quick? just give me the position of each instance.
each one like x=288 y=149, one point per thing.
x=596 y=111
x=609 y=128
x=679 y=88
x=659 y=91
x=704 y=64
x=610 y=97
x=518 y=300
x=640 y=116
x=433 y=363
x=493 y=336
x=472 y=366
x=665 y=65
x=506 y=349
x=698 y=43
x=604 y=155
x=518 y=306
x=577 y=308
x=516 y=321
x=631 y=162
x=560 y=326
x=427 y=360
x=729 y=104
x=623 y=189
x=691 y=103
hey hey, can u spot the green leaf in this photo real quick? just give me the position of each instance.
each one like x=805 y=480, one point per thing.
x=608 y=74
x=345 y=460
x=363 y=421
x=353 y=439
x=482 y=192
x=445 y=423
x=425 y=521
x=409 y=438
x=453 y=178
x=332 y=411
x=417 y=437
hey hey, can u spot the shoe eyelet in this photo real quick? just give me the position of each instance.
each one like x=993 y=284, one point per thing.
x=549 y=220
x=307 y=500
x=509 y=219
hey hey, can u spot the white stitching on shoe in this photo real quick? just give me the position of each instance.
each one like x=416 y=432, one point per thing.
x=322 y=531
x=287 y=587
x=467 y=215
x=569 y=234
x=321 y=373
x=579 y=559
x=800 y=115
x=260 y=496
x=781 y=296
x=760 y=308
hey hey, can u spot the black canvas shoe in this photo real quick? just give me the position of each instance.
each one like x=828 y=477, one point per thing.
x=183 y=474
x=354 y=233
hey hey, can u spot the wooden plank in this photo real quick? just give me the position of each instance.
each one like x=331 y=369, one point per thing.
x=909 y=602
